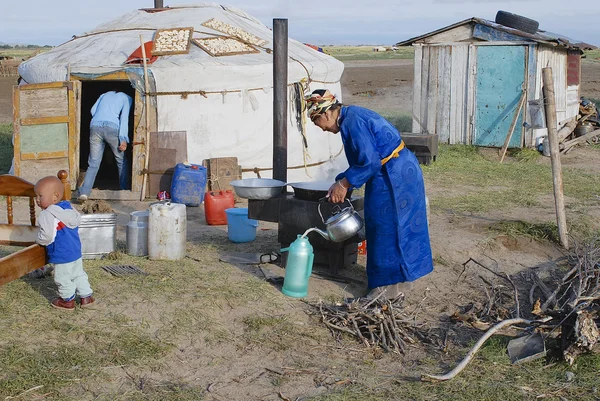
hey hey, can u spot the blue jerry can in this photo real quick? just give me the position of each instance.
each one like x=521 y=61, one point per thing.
x=188 y=184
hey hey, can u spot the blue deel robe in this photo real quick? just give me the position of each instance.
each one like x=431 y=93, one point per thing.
x=398 y=247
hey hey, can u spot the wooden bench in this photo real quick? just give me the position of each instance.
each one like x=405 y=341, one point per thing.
x=33 y=256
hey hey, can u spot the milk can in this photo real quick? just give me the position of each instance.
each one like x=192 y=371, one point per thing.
x=298 y=268
x=167 y=231
x=137 y=233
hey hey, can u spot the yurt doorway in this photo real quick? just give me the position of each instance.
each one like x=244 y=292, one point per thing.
x=107 y=177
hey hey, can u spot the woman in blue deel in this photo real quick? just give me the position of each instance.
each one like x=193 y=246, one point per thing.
x=399 y=251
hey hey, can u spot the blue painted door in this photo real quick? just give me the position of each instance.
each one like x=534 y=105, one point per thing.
x=500 y=79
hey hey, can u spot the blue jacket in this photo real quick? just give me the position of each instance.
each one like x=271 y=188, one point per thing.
x=59 y=233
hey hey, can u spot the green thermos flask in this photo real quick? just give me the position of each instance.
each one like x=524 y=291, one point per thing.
x=298 y=268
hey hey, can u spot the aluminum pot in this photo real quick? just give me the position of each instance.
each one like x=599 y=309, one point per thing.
x=313 y=190
x=257 y=188
x=342 y=225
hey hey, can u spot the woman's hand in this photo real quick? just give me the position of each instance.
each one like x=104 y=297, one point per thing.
x=337 y=192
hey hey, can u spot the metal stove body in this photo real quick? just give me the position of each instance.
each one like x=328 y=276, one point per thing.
x=294 y=216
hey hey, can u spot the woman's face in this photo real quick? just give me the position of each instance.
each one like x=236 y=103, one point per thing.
x=327 y=122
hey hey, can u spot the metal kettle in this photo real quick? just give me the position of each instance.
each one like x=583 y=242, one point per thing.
x=342 y=224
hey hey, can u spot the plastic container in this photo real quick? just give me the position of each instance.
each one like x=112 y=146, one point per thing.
x=167 y=231
x=137 y=233
x=98 y=234
x=298 y=268
x=215 y=204
x=239 y=227
x=188 y=184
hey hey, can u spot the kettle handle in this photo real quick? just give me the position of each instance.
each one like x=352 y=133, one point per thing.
x=319 y=209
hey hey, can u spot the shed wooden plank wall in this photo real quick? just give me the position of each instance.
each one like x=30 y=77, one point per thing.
x=439 y=100
x=567 y=98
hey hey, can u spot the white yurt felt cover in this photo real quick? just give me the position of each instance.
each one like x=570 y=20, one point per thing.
x=228 y=106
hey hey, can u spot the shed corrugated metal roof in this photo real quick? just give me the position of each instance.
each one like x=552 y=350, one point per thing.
x=541 y=36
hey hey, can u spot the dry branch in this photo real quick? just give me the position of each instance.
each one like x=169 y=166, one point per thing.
x=473 y=351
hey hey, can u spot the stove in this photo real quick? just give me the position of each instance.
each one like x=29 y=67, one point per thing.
x=294 y=216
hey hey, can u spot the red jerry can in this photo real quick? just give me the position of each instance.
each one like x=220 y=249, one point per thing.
x=362 y=247
x=215 y=203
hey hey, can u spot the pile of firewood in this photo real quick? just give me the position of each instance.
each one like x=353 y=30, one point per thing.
x=375 y=323
x=588 y=117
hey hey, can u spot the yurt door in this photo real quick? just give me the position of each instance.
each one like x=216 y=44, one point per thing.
x=500 y=82
x=46 y=129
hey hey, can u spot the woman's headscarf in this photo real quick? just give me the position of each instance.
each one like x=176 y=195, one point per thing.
x=319 y=102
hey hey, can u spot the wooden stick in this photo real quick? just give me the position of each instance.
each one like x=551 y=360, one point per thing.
x=569 y=144
x=512 y=126
x=550 y=109
x=567 y=130
x=474 y=350
x=147 y=111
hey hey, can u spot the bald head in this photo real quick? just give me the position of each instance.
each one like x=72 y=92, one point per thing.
x=48 y=191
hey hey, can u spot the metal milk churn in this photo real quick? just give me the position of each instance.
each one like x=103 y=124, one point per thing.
x=298 y=268
x=167 y=231
x=137 y=233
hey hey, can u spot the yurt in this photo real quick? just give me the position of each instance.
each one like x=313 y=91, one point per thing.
x=204 y=98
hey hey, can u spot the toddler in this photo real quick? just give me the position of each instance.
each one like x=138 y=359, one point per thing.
x=58 y=232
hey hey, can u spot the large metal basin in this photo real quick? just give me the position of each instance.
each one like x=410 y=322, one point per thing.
x=257 y=188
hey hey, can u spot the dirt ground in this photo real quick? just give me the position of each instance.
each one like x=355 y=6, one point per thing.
x=238 y=374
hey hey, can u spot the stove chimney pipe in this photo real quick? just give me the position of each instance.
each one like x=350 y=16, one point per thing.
x=280 y=98
x=158 y=4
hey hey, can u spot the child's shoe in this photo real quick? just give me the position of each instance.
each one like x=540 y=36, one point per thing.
x=86 y=302
x=60 y=303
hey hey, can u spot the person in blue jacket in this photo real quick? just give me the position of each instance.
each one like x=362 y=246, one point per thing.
x=399 y=249
x=109 y=125
x=59 y=233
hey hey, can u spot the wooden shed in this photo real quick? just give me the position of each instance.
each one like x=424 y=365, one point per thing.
x=470 y=77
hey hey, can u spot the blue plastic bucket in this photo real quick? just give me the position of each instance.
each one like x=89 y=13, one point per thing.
x=188 y=184
x=239 y=227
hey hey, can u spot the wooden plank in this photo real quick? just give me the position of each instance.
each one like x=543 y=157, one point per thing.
x=114 y=195
x=47 y=85
x=471 y=93
x=458 y=34
x=458 y=87
x=44 y=155
x=44 y=138
x=139 y=137
x=432 y=95
x=44 y=103
x=113 y=76
x=444 y=84
x=416 y=101
x=16 y=130
x=529 y=137
x=424 y=89
x=75 y=134
x=167 y=148
x=45 y=120
x=18 y=235
x=33 y=170
x=22 y=262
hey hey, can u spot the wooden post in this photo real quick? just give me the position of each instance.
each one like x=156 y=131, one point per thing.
x=550 y=110
x=146 y=111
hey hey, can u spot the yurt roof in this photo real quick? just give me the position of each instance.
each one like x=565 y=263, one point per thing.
x=105 y=49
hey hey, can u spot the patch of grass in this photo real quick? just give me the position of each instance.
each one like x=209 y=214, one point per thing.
x=6 y=147
x=477 y=183
x=525 y=154
x=592 y=54
x=536 y=231
x=348 y=53
x=402 y=122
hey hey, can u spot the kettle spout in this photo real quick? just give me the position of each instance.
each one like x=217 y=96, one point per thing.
x=323 y=233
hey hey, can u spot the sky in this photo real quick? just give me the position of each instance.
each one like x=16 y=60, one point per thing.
x=345 y=22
